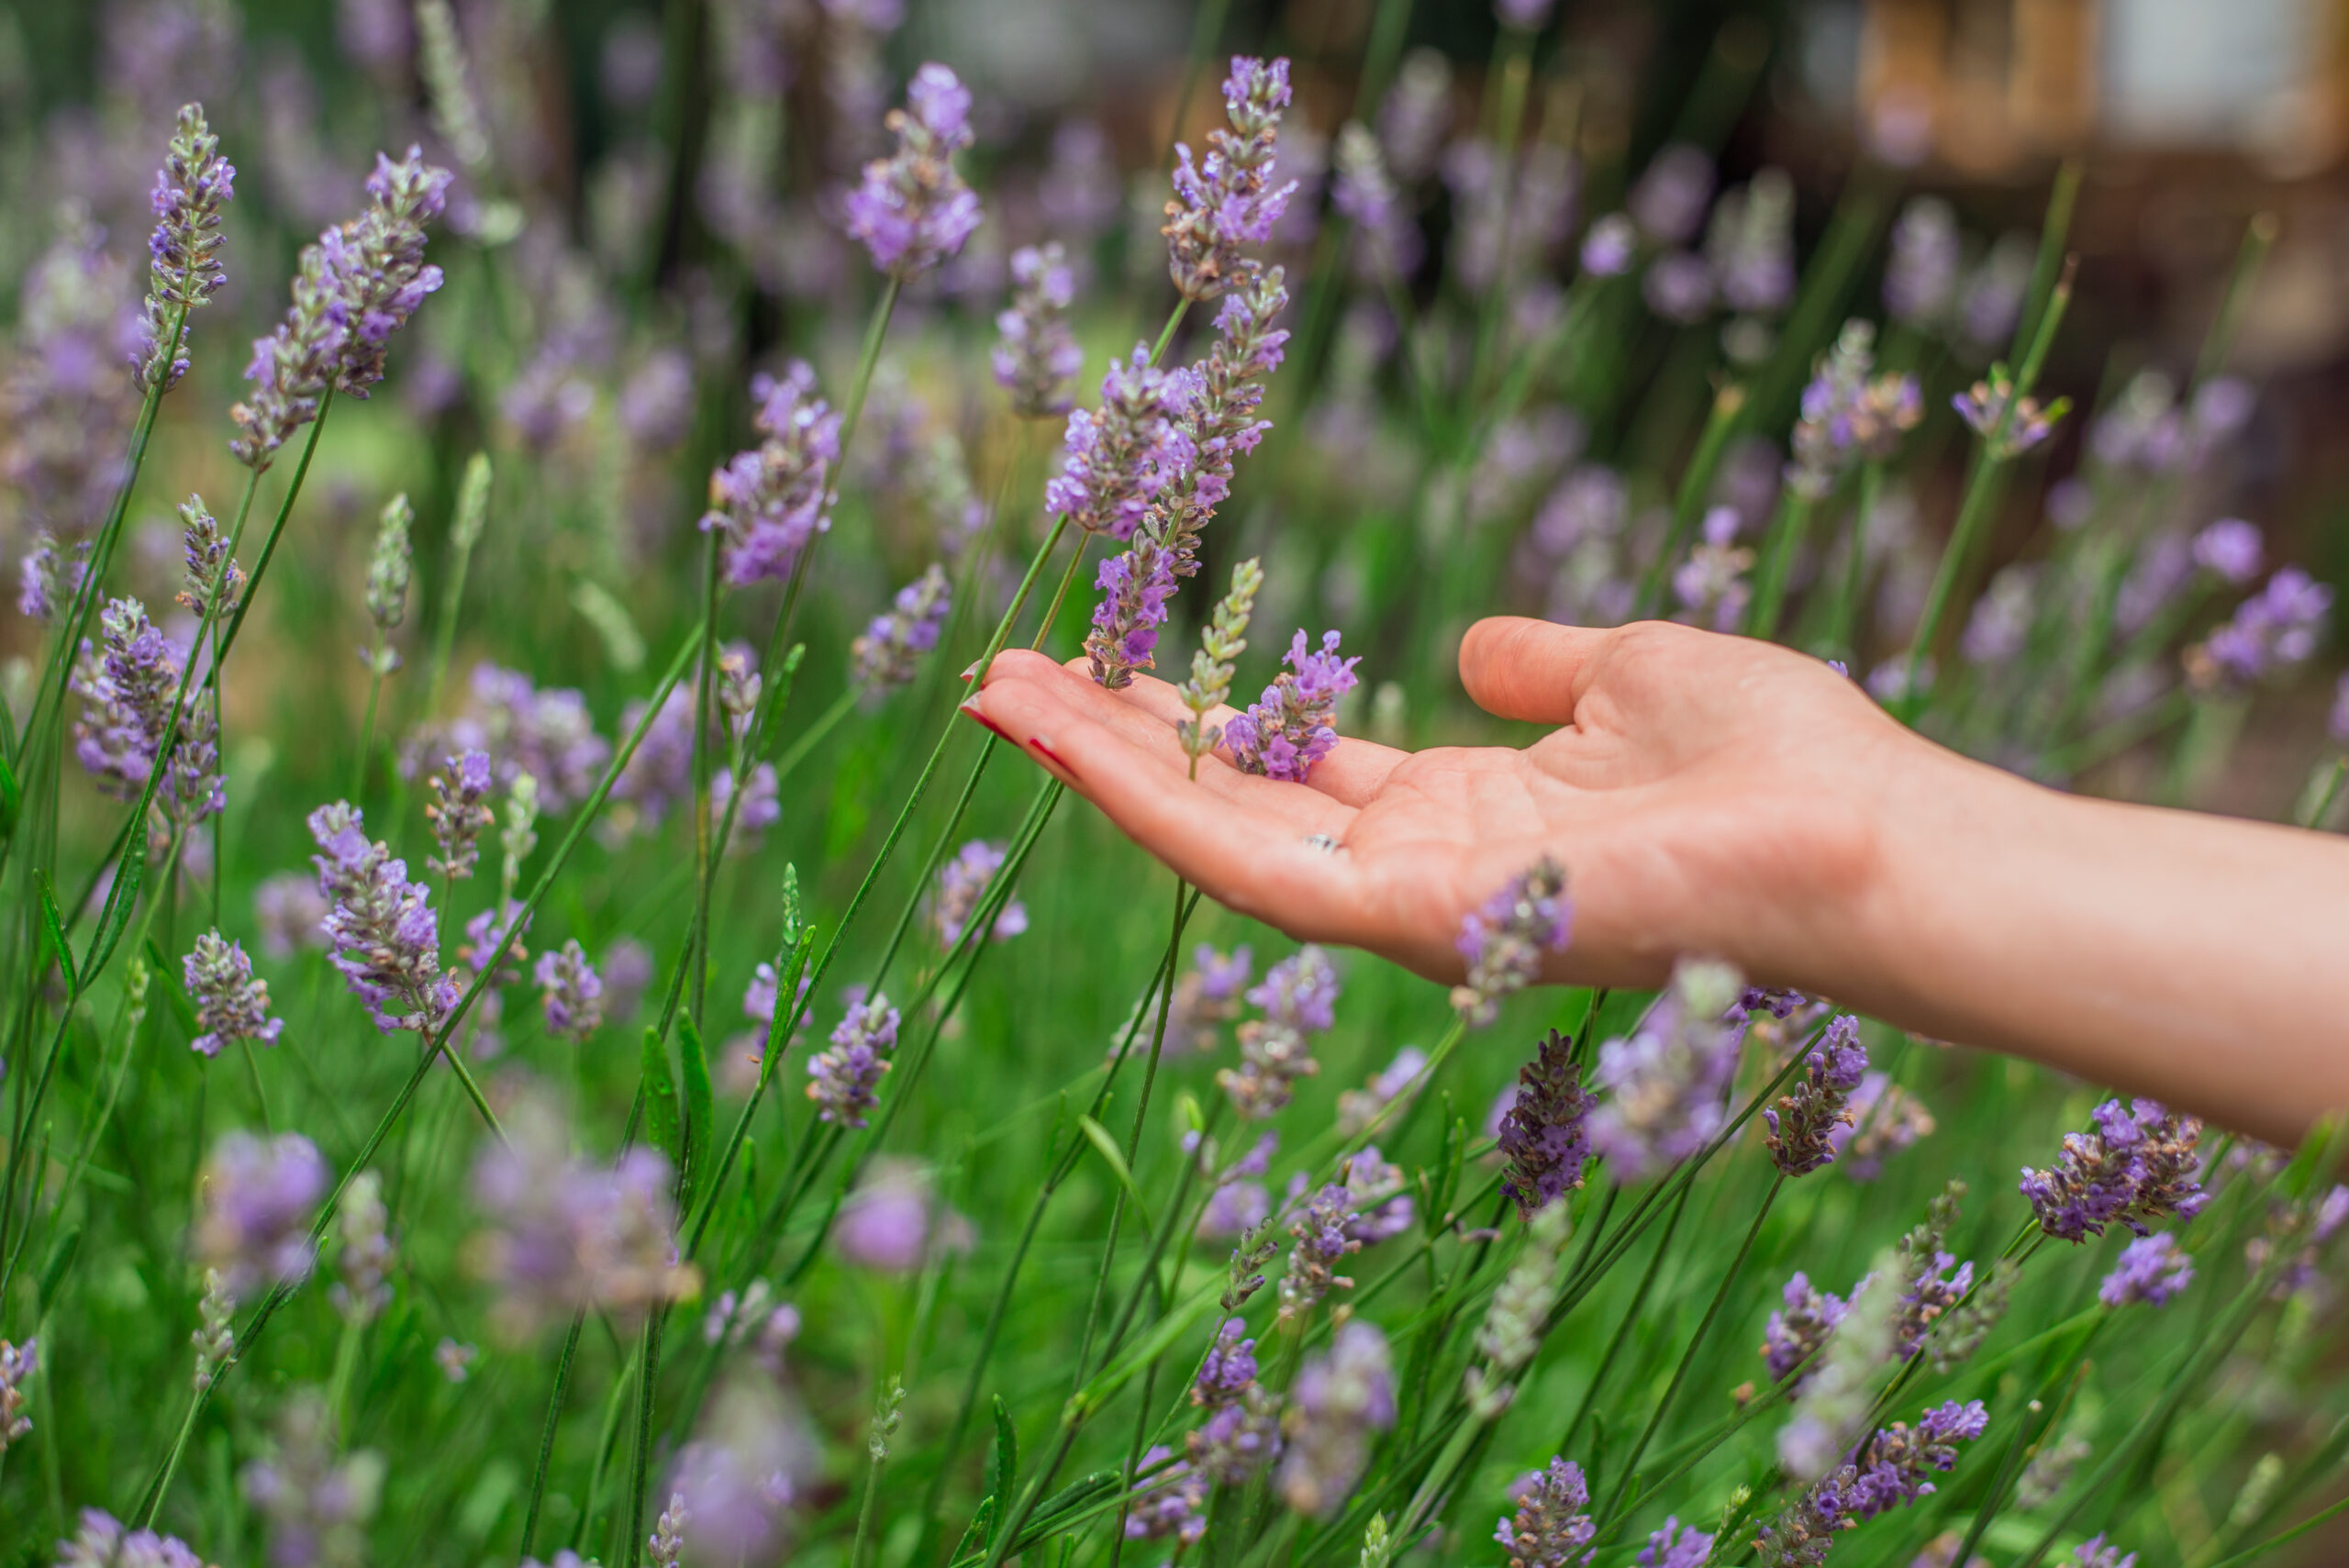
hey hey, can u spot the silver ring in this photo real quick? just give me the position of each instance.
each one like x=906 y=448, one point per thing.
x=1323 y=844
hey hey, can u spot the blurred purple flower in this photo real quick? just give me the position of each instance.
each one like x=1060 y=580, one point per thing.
x=254 y=1204
x=2152 y=1269
x=386 y=936
x=1502 y=943
x=912 y=209
x=1551 y=1527
x=1038 y=355
x=768 y=501
x=1338 y=1399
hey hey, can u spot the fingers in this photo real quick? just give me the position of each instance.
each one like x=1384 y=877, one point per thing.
x=1351 y=773
x=1517 y=668
x=1238 y=839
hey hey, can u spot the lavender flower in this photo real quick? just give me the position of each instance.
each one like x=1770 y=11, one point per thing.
x=1551 y=1527
x=254 y=1203
x=1241 y=1432
x=318 y=1507
x=1386 y=241
x=1847 y=415
x=291 y=913
x=1228 y=201
x=1676 y=1546
x=1610 y=247
x=230 y=1004
x=548 y=735
x=1991 y=300
x=1920 y=277
x=1206 y=998
x=761 y=804
x=1171 y=1503
x=191 y=188
x=656 y=406
x=127 y=691
x=2273 y=630
x=1542 y=1135
x=380 y=263
x=1287 y=729
x=1038 y=355
x=1750 y=244
x=767 y=502
x=667 y=1542
x=210 y=582
x=2152 y=1269
x=18 y=1364
x=570 y=992
x=2097 y=1553
x=457 y=811
x=912 y=209
x=216 y=1338
x=386 y=936
x=1803 y=1141
x=889 y=653
x=961 y=881
x=2137 y=1166
x=1299 y=996
x=1117 y=458
x=1888 y=1471
x=1712 y=584
x=1795 y=1332
x=364 y=1226
x=45 y=583
x=64 y=410
x=1338 y=1400
x=1357 y=1108
x=1221 y=642
x=1669 y=201
x=1322 y=1238
x=2006 y=433
x=564 y=1234
x=844 y=1080
x=893 y=1222
x=454 y=1360
x=1678 y=288
x=102 y=1542
x=2230 y=550
x=1135 y=588
x=387 y=580
x=292 y=366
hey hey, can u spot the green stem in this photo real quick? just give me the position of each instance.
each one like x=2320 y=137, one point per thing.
x=813 y=735
x=1843 y=628
x=2320 y=799
x=645 y=1385
x=546 y=1434
x=276 y=531
x=1688 y=503
x=1632 y=1313
x=1786 y=539
x=367 y=731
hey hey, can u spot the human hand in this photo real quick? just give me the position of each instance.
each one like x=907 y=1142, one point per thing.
x=1706 y=793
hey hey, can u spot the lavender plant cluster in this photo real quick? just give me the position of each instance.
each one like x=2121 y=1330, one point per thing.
x=586 y=1082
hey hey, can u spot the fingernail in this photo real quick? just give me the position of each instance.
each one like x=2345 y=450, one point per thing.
x=968 y=708
x=1045 y=751
x=971 y=673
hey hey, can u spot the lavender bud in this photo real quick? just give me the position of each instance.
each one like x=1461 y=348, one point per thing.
x=2152 y=1269
x=1116 y=459
x=1135 y=588
x=102 y=1542
x=1221 y=644
x=1228 y=201
x=1986 y=406
x=1801 y=1324
x=215 y=1340
x=457 y=811
x=1502 y=943
x=767 y=502
x=2272 y=632
x=668 y=1541
x=1802 y=1123
x=191 y=190
x=364 y=1226
x=387 y=579
x=1386 y=241
x=455 y=1360
x=1663 y=1087
x=1321 y=1238
x=844 y=1080
x=230 y=1004
x=1338 y=1400
x=2137 y=1166
x=1839 y=1390
x=1357 y=1108
x=961 y=883
x=1206 y=998
x=127 y=691
x=441 y=57
x=570 y=992
x=1542 y=1134
x=1888 y=1471
x=1610 y=247
x=1751 y=245
x=1298 y=996
x=1669 y=201
x=1676 y=1546
x=912 y=210
x=380 y=265
x=1992 y=299
x=45 y=584
x=254 y=1202
x=18 y=1364
x=318 y=1506
x=889 y=653
x=387 y=938
x=1550 y=1528
x=2097 y=1552
x=1038 y=355
x=1512 y=1329
x=211 y=584
x=1287 y=729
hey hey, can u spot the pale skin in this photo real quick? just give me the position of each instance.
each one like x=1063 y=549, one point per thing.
x=1728 y=797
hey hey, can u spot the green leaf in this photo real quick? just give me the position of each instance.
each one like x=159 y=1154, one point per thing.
x=52 y=1272
x=660 y=1128
x=12 y=800
x=1006 y=1469
x=701 y=1108
x=972 y=1547
x=121 y=905
x=52 y=930
x=1107 y=1146
x=1159 y=1340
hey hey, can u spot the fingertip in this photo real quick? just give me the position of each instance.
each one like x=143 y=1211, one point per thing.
x=1020 y=663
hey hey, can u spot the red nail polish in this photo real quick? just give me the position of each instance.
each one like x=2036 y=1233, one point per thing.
x=1052 y=756
x=981 y=719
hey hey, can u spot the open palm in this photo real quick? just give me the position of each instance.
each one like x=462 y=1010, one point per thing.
x=1706 y=793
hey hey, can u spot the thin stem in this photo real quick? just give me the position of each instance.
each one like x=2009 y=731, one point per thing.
x=367 y=732
x=813 y=735
x=1842 y=629
x=1784 y=542
x=1631 y=1315
x=277 y=530
x=546 y=1435
x=1696 y=483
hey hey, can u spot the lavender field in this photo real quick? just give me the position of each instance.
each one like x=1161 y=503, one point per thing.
x=533 y=1033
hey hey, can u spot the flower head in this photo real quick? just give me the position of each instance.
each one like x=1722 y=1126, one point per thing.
x=1676 y=1546
x=387 y=579
x=192 y=190
x=1117 y=458
x=1920 y=277
x=1502 y=943
x=2137 y=1166
x=889 y=653
x=18 y=1364
x=1038 y=355
x=1290 y=728
x=363 y=1226
x=1542 y=1134
x=2097 y=1552
x=128 y=689
x=1551 y=1527
x=1847 y=415
x=2273 y=630
x=1662 y=1088
x=2008 y=427
x=1751 y=245
x=458 y=811
x=912 y=210
x=230 y=1004
x=254 y=1202
x=570 y=992
x=1206 y=998
x=961 y=881
x=387 y=938
x=1886 y=1119
x=765 y=504
x=1805 y=1317
x=2230 y=550
x=2152 y=1269
x=1803 y=1123
x=1228 y=201
x=1338 y=1399
x=844 y=1081
x=102 y=1542
x=1298 y=996
x=1221 y=642
x=1135 y=588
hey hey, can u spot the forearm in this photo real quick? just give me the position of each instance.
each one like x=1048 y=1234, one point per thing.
x=2195 y=958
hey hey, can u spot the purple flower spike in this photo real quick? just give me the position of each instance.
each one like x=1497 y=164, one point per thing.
x=1676 y=1546
x=1551 y=1527
x=1288 y=730
x=767 y=502
x=2152 y=1269
x=844 y=1081
x=128 y=690
x=1662 y=1089
x=1299 y=996
x=1117 y=458
x=18 y=1364
x=102 y=1542
x=2137 y=1166
x=1338 y=1399
x=2272 y=632
x=1888 y=1471
x=255 y=1202
x=230 y=1003
x=192 y=189
x=385 y=937
x=2230 y=550
x=1135 y=588
x=1038 y=355
x=570 y=992
x=961 y=881
x=1502 y=943
x=912 y=210
x=1795 y=1331
x=1228 y=201
x=2097 y=1552
x=1802 y=1124
x=1542 y=1135
x=1920 y=276
x=889 y=653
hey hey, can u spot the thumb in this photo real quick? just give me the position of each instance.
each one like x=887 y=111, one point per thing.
x=1518 y=668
